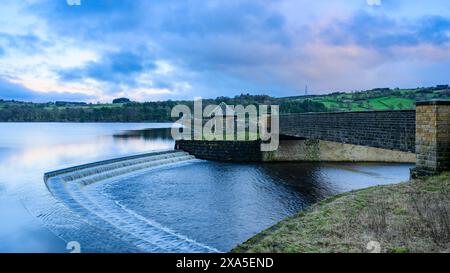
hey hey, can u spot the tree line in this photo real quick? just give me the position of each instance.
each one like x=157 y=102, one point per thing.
x=14 y=111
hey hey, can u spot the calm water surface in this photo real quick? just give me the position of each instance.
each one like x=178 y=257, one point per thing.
x=28 y=150
x=216 y=204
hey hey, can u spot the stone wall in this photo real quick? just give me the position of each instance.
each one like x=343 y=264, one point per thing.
x=291 y=150
x=328 y=151
x=394 y=130
x=234 y=151
x=432 y=138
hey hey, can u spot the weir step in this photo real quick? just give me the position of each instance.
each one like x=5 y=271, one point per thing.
x=71 y=176
x=68 y=186
x=93 y=178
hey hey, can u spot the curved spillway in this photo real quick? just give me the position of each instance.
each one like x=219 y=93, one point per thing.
x=71 y=186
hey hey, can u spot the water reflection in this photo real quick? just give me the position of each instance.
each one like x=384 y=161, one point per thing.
x=146 y=134
x=307 y=179
x=217 y=204
x=224 y=204
x=28 y=150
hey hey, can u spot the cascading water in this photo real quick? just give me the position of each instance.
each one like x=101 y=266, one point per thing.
x=71 y=186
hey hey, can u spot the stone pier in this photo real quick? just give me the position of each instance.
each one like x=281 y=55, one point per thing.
x=432 y=138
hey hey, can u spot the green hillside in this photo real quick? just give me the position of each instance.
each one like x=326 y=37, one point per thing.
x=378 y=99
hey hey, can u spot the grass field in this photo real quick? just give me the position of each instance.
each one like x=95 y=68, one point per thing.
x=401 y=99
x=382 y=103
x=407 y=217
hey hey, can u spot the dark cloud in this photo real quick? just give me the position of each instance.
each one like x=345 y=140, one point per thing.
x=117 y=67
x=173 y=26
x=228 y=47
x=93 y=19
x=26 y=43
x=213 y=37
x=378 y=30
x=434 y=30
x=11 y=91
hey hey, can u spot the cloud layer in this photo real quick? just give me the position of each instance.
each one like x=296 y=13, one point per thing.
x=151 y=50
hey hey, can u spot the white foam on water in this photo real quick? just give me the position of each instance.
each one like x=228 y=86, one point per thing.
x=148 y=230
x=77 y=191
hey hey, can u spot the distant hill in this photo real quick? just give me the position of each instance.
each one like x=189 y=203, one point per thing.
x=125 y=111
x=379 y=99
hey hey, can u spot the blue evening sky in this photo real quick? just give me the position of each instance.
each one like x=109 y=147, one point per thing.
x=153 y=50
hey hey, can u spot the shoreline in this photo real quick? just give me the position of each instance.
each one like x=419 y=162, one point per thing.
x=401 y=218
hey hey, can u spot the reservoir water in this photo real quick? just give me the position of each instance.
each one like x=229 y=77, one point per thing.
x=217 y=205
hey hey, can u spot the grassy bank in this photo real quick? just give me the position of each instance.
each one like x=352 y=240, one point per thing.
x=407 y=217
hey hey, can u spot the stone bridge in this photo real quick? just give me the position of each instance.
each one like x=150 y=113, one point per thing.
x=393 y=130
x=420 y=136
